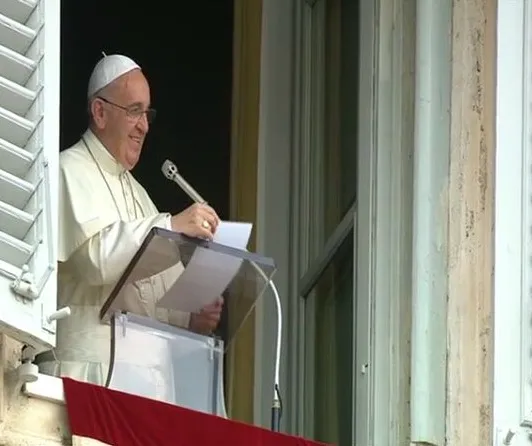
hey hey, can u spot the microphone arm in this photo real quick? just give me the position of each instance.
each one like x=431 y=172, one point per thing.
x=170 y=171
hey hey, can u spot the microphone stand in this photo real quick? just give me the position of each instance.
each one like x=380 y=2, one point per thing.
x=171 y=172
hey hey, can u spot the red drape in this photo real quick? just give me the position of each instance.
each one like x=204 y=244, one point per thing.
x=121 y=419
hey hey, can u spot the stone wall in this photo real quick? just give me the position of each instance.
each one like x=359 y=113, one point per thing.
x=26 y=421
x=471 y=224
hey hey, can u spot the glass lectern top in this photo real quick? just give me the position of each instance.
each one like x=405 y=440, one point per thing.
x=174 y=273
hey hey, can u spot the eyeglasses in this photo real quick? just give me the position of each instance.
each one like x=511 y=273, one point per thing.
x=134 y=112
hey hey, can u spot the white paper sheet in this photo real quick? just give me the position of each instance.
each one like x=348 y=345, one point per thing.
x=209 y=272
x=234 y=234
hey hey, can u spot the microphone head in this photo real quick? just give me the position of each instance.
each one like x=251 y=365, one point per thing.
x=169 y=169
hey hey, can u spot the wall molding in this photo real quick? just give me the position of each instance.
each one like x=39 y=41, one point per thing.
x=274 y=202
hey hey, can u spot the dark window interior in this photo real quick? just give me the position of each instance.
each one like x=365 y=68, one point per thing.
x=187 y=58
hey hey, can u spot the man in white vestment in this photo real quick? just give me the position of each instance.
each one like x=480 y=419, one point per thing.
x=104 y=215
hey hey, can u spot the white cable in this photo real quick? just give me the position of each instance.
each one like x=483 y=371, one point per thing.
x=277 y=366
x=278 y=343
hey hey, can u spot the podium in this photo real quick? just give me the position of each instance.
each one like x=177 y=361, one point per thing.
x=155 y=358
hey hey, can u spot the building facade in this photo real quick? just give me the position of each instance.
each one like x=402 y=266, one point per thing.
x=381 y=148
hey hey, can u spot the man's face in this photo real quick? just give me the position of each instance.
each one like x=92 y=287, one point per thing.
x=119 y=113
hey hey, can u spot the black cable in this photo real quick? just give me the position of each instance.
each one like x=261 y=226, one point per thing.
x=277 y=410
x=112 y=353
x=278 y=392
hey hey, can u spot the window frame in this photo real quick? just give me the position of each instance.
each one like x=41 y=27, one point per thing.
x=383 y=215
x=512 y=404
x=310 y=257
x=383 y=227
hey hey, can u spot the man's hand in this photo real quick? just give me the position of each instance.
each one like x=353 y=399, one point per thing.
x=206 y=321
x=198 y=220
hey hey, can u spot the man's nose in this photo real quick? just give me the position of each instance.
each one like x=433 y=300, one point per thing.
x=142 y=123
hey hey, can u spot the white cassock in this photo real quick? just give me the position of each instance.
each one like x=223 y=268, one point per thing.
x=104 y=216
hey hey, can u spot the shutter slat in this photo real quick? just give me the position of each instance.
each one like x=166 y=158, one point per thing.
x=11 y=270
x=16 y=98
x=14 y=128
x=14 y=251
x=15 y=191
x=15 y=36
x=15 y=67
x=15 y=160
x=18 y=10
x=15 y=222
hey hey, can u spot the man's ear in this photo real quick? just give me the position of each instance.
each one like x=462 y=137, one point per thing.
x=97 y=112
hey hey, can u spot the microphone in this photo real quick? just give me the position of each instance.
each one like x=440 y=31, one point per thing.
x=170 y=171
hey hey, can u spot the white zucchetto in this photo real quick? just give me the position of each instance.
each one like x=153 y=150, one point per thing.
x=107 y=70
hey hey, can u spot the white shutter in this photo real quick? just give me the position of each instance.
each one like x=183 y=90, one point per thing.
x=29 y=157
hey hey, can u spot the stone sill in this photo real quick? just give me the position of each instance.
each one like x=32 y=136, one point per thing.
x=48 y=388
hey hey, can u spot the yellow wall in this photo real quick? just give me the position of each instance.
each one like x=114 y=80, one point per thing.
x=244 y=162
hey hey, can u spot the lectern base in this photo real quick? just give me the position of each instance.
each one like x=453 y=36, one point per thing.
x=169 y=364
